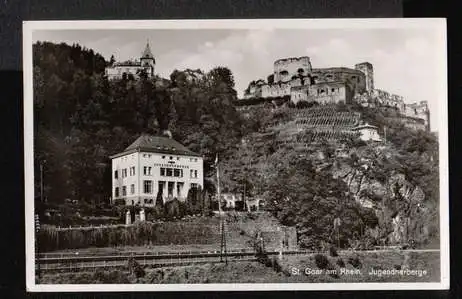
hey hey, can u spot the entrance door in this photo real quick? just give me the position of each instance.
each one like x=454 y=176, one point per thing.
x=171 y=187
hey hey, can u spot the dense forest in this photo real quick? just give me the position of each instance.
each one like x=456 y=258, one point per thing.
x=81 y=118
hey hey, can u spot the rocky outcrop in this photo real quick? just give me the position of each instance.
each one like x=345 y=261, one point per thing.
x=396 y=201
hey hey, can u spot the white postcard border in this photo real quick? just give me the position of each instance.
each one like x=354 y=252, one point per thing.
x=262 y=24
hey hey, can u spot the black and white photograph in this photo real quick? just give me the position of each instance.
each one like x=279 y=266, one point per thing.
x=236 y=155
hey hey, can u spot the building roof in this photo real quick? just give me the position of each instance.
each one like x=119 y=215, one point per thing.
x=147 y=52
x=127 y=63
x=365 y=126
x=156 y=144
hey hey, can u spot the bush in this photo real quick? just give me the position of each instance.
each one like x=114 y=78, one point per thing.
x=135 y=268
x=340 y=263
x=355 y=262
x=322 y=262
x=333 y=251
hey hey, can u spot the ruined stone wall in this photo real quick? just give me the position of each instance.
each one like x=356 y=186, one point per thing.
x=275 y=90
x=329 y=93
x=285 y=69
x=419 y=110
x=300 y=93
x=368 y=71
x=354 y=78
x=384 y=98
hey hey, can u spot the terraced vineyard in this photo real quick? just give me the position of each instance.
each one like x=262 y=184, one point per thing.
x=316 y=124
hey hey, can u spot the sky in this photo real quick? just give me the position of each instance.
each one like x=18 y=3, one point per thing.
x=405 y=61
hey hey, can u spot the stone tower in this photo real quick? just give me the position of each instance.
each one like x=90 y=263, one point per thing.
x=288 y=68
x=147 y=60
x=368 y=70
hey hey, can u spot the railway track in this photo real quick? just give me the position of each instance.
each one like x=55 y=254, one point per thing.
x=158 y=260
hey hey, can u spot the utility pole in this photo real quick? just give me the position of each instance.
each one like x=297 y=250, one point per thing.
x=385 y=133
x=218 y=185
x=243 y=197
x=222 y=224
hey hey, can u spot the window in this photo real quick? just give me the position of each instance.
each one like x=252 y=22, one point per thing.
x=147 y=170
x=169 y=172
x=132 y=188
x=132 y=170
x=163 y=157
x=162 y=171
x=116 y=174
x=124 y=172
x=191 y=173
x=193 y=185
x=176 y=172
x=148 y=187
x=195 y=173
x=116 y=192
x=178 y=158
x=124 y=191
x=171 y=158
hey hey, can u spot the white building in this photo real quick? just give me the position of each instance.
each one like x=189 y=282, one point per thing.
x=154 y=163
x=146 y=63
x=368 y=132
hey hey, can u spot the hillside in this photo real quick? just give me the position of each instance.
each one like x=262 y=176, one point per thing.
x=82 y=118
x=388 y=191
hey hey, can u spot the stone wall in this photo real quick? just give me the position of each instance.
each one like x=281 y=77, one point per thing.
x=368 y=71
x=418 y=110
x=285 y=69
x=276 y=90
x=330 y=93
x=300 y=93
x=384 y=98
x=354 y=78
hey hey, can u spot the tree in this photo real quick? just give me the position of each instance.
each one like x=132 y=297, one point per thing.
x=220 y=75
x=112 y=60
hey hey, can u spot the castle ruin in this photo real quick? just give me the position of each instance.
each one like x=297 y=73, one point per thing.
x=295 y=79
